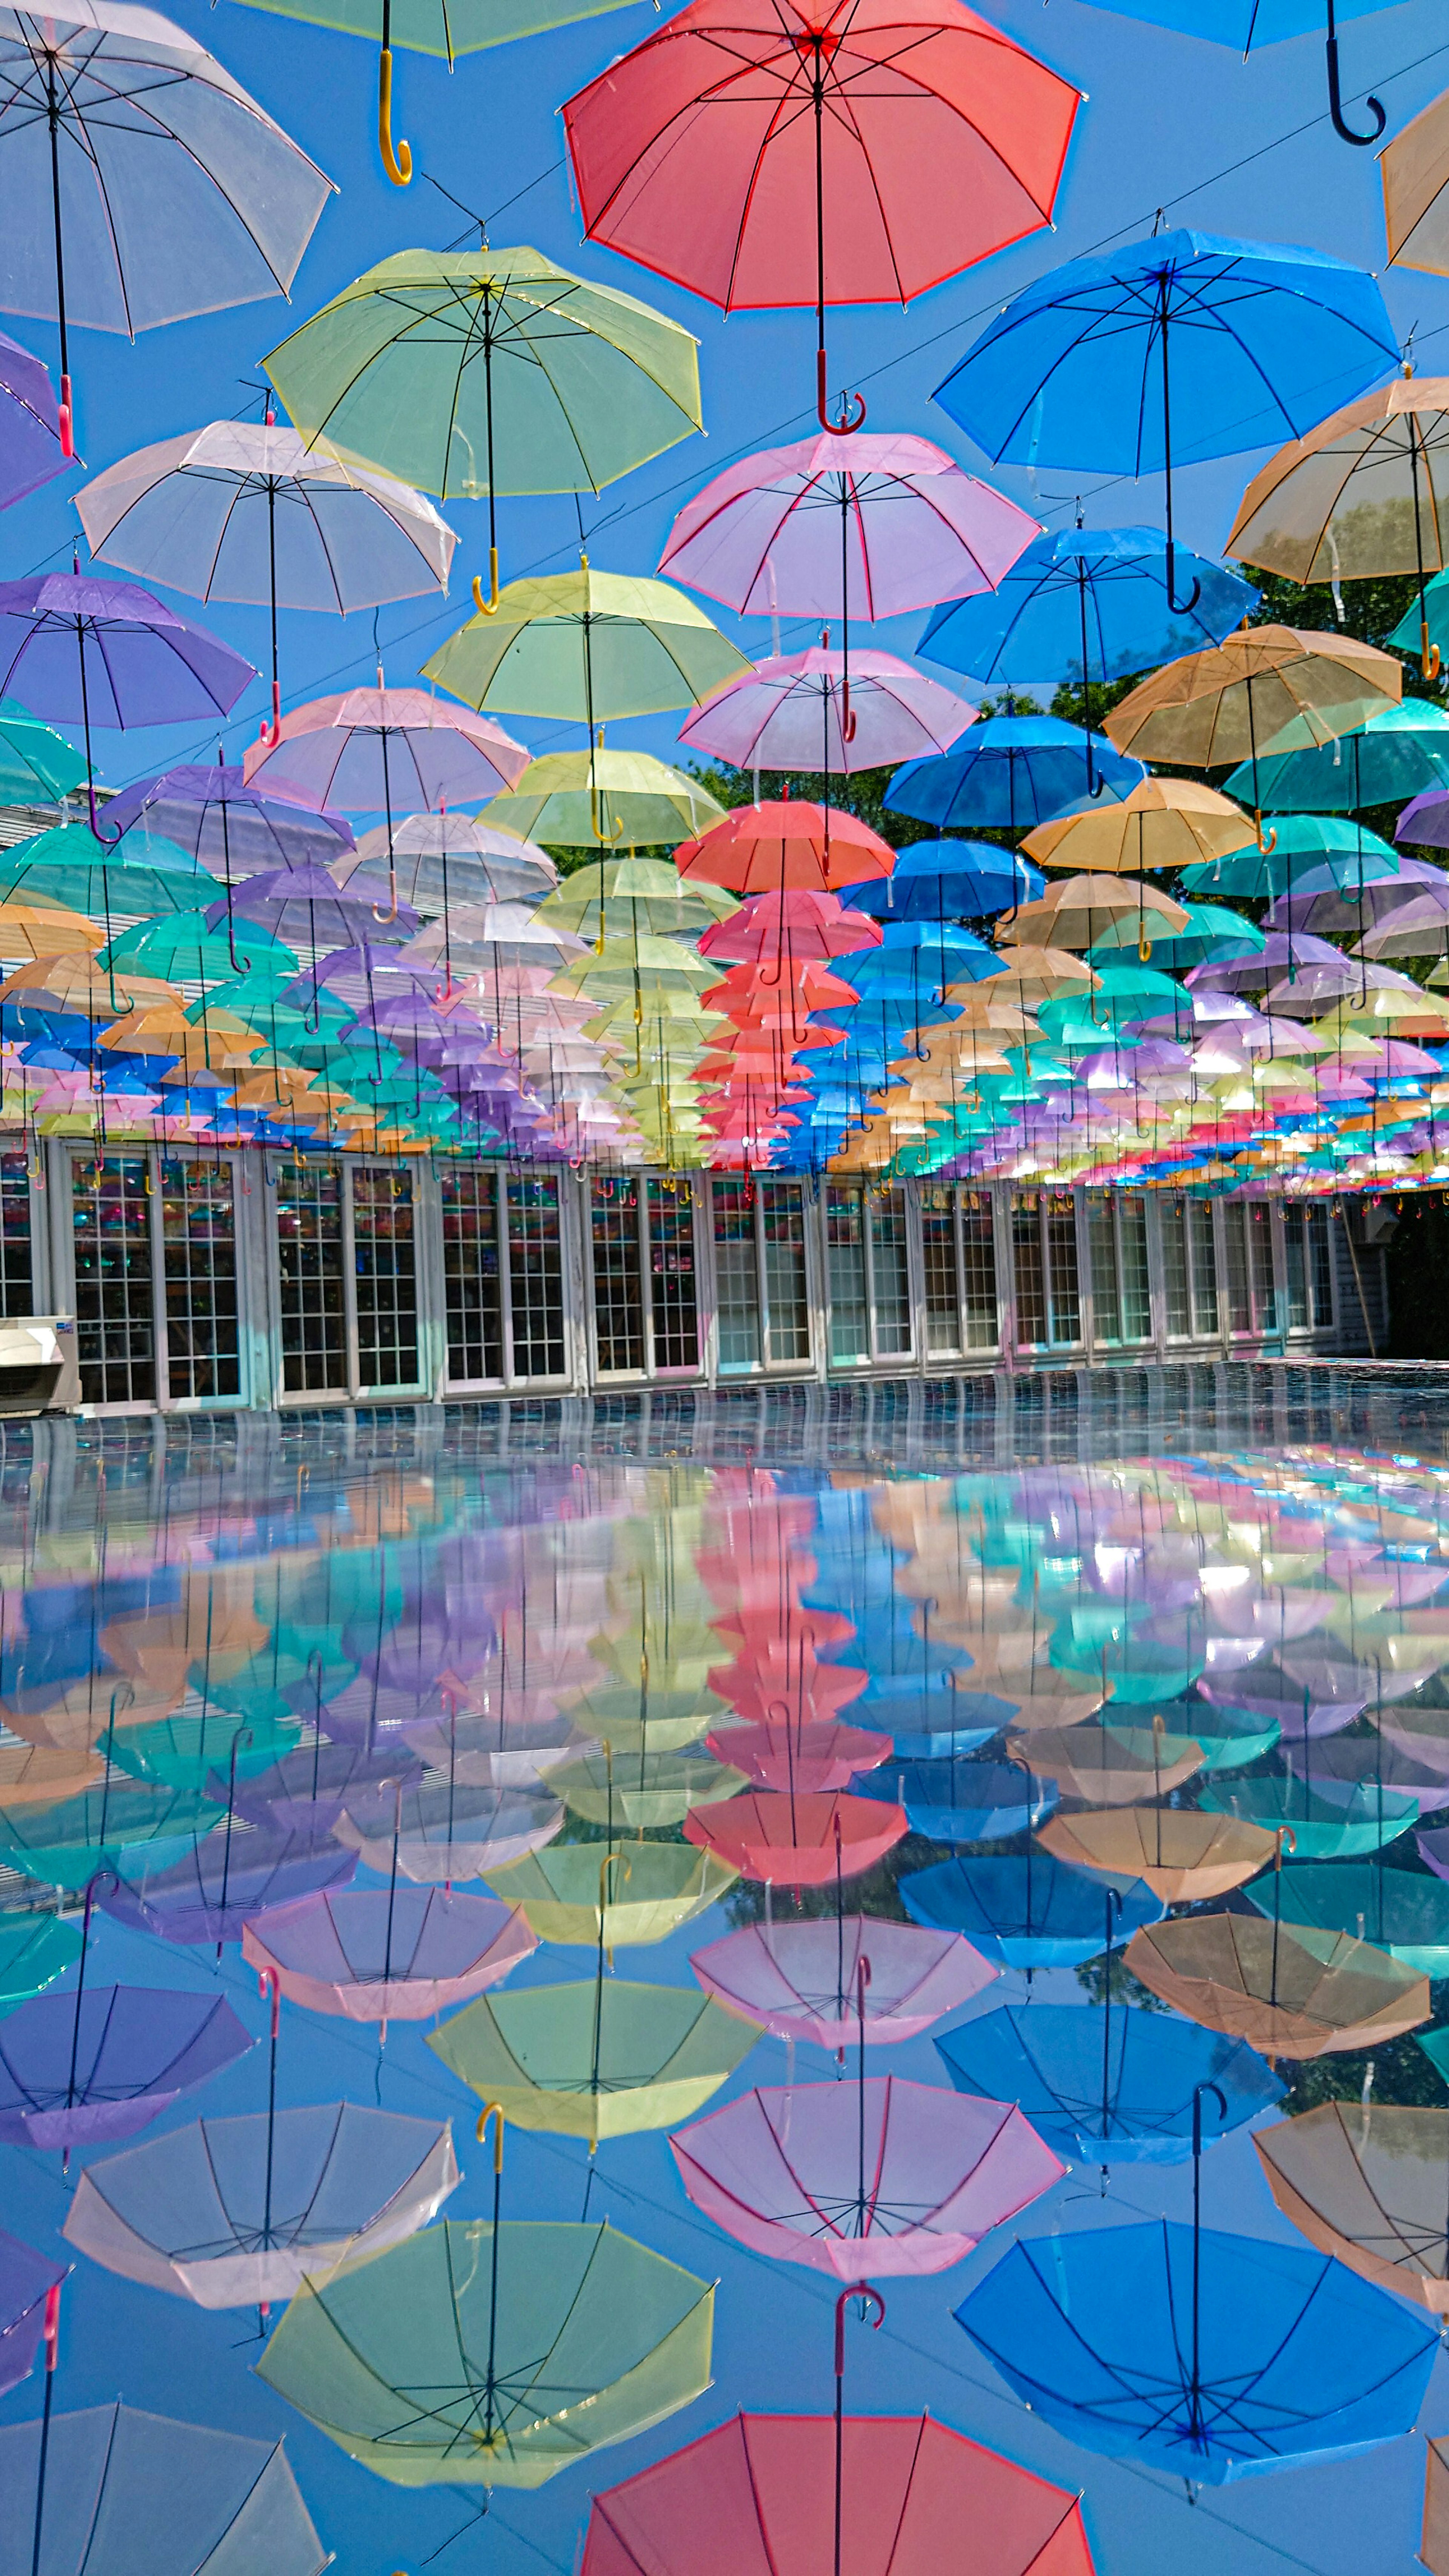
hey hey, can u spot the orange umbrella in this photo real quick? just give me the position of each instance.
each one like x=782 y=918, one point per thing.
x=1185 y=1858
x=1287 y=1993
x=1368 y=2185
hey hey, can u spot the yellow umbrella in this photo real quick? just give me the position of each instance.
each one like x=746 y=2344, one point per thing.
x=652 y=1889
x=649 y=1789
x=586 y=647
x=1163 y=823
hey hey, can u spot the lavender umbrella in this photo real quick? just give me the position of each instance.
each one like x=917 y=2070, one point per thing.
x=305 y=1792
x=75 y=2069
x=144 y=2495
x=234 y=830
x=26 y=2281
x=393 y=1954
x=445 y=1829
x=225 y=1880
x=30 y=451
x=301 y=905
x=828 y=711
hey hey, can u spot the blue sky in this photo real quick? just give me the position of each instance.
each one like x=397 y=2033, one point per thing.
x=1230 y=146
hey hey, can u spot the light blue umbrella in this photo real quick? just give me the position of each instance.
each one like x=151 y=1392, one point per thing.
x=1108 y=2084
x=1171 y=350
x=1246 y=24
x=1012 y=772
x=949 y=881
x=1029 y=1910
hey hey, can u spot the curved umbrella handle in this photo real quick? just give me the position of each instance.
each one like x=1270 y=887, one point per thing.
x=67 y=420
x=487 y=607
x=1267 y=841
x=399 y=164
x=1431 y=660
x=391 y=913
x=494 y=2112
x=848 y=718
x=1376 y=107
x=859 y=2290
x=846 y=427
x=269 y=1987
x=270 y=731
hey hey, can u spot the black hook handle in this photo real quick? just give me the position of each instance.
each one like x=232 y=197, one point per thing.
x=1341 y=126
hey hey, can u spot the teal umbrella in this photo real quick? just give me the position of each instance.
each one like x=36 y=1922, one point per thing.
x=1322 y=1828
x=34 y=1948
x=70 y=866
x=37 y=764
x=1295 y=843
x=1403 y=1911
x=1398 y=754
x=181 y=945
x=1212 y=933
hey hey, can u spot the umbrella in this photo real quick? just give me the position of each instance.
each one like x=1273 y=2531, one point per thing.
x=1415 y=208
x=1210 y=2356
x=577 y=385
x=946 y=880
x=371 y=746
x=765 y=2486
x=395 y=1954
x=764 y=848
x=27 y=2283
x=801 y=1980
x=184 y=200
x=33 y=450
x=65 y=1845
x=1184 y=1857
x=99 y=2063
x=242 y=510
x=1010 y=773
x=128 y=2491
x=879 y=2176
x=802 y=1841
x=230 y=829
x=576 y=799
x=586 y=646
x=652 y=1890
x=492 y=2356
x=877 y=525
x=827 y=711
x=714 y=152
x=647 y=1789
x=1030 y=1911
x=964 y=1802
x=443 y=858
x=237 y=2213
x=1183 y=345
x=600 y=2058
x=1359 y=1818
x=804 y=1753
x=1109 y=2086
x=1288 y=1993
x=34 y=1949
x=1401 y=752
x=225 y=1881
x=36 y=763
x=1366 y=2184
x=1161 y=823
x=1402 y=1911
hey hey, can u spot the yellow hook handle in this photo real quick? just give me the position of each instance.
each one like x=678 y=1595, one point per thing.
x=494 y=2111
x=486 y=607
x=595 y=812
x=1267 y=841
x=399 y=164
x=1430 y=658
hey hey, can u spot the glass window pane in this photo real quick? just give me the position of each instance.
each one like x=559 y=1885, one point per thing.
x=17 y=1291
x=1031 y=1329
x=114 y=1281
x=1065 y=1298
x=387 y=1292
x=938 y=1246
x=978 y=1258
x=1174 y=1220
x=471 y=1273
x=672 y=1287
x=1259 y=1221
x=309 y=1257
x=198 y=1239
x=1106 y=1294
x=845 y=1246
x=787 y=1307
x=535 y=1274
x=1204 y=1266
x=890 y=1272
x=1134 y=1279
x=1297 y=1269
x=736 y=1271
x=618 y=1282
x=1320 y=1265
x=1240 y=1311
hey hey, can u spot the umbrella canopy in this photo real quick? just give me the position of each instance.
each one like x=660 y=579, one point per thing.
x=799 y=183
x=188 y=201
x=235 y=2213
x=370 y=747
x=65 y=1845
x=574 y=800
x=835 y=712
x=968 y=1801
x=144 y=2495
x=1367 y=2186
x=1011 y=772
x=1266 y=691
x=758 y=849
x=950 y=879
x=99 y=2063
x=802 y=1980
x=26 y=2281
x=1030 y=1911
x=648 y=1891
x=804 y=1841
x=1161 y=823
x=107 y=653
x=1402 y=751
x=34 y=1949
x=867 y=2179
x=492 y=2356
x=1185 y=1857
x=1288 y=1993
x=598 y=2059
x=33 y=450
x=865 y=525
x=768 y=2489
x=586 y=647
x=1085 y=604
x=1109 y=2085
x=442 y=859
x=388 y=1955
x=1212 y=2357
x=231 y=829
x=224 y=1880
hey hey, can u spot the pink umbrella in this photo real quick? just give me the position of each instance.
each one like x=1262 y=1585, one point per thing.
x=854 y=2179
x=866 y=525
x=801 y=1980
x=794 y=923
x=828 y=711
x=374 y=1954
x=814 y=1753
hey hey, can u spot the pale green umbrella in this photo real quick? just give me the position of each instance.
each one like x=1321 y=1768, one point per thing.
x=569 y=799
x=586 y=647
x=488 y=371
x=598 y=2059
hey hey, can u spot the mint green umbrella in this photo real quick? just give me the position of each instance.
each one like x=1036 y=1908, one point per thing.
x=34 y=1948
x=37 y=764
x=69 y=865
x=586 y=647
x=1399 y=753
x=181 y=945
x=467 y=373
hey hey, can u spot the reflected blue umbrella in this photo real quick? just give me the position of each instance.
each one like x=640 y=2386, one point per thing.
x=1184 y=346
x=1011 y=772
x=1109 y=2084
x=1029 y=1910
x=963 y=1802
x=27 y=2283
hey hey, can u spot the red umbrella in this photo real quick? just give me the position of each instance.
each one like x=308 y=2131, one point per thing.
x=793 y=922
x=760 y=848
x=713 y=152
x=799 y=1753
x=794 y=1842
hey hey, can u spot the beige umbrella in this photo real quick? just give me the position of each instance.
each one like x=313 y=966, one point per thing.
x=1185 y=1858
x=1364 y=494
x=1266 y=689
x=1112 y=1765
x=1075 y=913
x=1415 y=170
x=1288 y=1993
x=1368 y=2185
x=1434 y=2544
x=1163 y=823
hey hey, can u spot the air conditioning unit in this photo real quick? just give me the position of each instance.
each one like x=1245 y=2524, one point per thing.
x=39 y=1367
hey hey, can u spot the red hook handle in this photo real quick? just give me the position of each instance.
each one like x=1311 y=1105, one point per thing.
x=849 y=424
x=67 y=420
x=859 y=2290
x=269 y=1986
x=50 y=2330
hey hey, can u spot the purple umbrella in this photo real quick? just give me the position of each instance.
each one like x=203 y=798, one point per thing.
x=1424 y=822
x=305 y=1792
x=27 y=2280
x=234 y=830
x=31 y=451
x=75 y=2069
x=1338 y=1771
x=106 y=653
x=389 y=1954
x=302 y=905
x=227 y=1879
x=1277 y=956
x=828 y=711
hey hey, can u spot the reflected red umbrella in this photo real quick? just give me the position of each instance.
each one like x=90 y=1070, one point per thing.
x=801 y=1841
x=813 y=1753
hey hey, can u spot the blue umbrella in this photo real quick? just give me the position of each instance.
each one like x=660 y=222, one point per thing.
x=1029 y=1911
x=1246 y=23
x=1210 y=2356
x=1011 y=772
x=963 y=1802
x=1108 y=2086
x=937 y=880
x=1402 y=751
x=1086 y=604
x=1182 y=347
